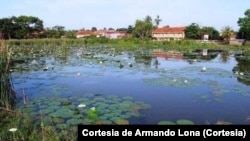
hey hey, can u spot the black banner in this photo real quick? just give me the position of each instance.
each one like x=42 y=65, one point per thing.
x=201 y=132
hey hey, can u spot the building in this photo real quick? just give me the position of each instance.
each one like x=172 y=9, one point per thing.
x=83 y=33
x=169 y=33
x=111 y=34
x=237 y=42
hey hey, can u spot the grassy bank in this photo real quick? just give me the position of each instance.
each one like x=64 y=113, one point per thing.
x=7 y=95
x=122 y=44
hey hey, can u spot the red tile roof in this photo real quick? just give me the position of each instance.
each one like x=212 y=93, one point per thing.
x=169 y=30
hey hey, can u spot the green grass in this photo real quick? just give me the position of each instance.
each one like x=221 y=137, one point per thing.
x=7 y=95
x=121 y=44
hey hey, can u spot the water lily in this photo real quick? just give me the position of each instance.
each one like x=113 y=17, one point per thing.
x=92 y=108
x=12 y=129
x=185 y=81
x=203 y=69
x=81 y=105
x=78 y=74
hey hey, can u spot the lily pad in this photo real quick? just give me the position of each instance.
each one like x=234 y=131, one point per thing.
x=166 y=123
x=121 y=122
x=184 y=122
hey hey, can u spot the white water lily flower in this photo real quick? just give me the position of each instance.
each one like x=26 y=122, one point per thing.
x=12 y=129
x=93 y=108
x=78 y=74
x=81 y=105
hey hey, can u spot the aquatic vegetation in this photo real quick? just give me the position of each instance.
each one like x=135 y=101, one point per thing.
x=7 y=93
x=109 y=109
x=92 y=113
x=222 y=122
x=166 y=123
x=184 y=122
x=121 y=122
x=173 y=82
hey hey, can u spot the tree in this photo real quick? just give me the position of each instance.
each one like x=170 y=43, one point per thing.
x=211 y=31
x=143 y=28
x=192 y=31
x=130 y=29
x=55 y=32
x=6 y=28
x=157 y=20
x=244 y=23
x=70 y=34
x=20 y=27
x=25 y=26
x=93 y=29
x=122 y=29
x=226 y=33
x=111 y=28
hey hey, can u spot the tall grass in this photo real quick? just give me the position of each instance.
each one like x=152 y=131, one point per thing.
x=7 y=95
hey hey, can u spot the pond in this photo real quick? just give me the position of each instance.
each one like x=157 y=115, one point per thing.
x=98 y=85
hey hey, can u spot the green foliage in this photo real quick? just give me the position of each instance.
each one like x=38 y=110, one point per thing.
x=143 y=28
x=130 y=29
x=226 y=34
x=93 y=29
x=7 y=95
x=211 y=31
x=157 y=20
x=244 y=23
x=92 y=114
x=55 y=32
x=71 y=34
x=21 y=27
x=193 y=31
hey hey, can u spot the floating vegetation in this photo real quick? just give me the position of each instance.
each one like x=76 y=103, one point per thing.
x=222 y=122
x=184 y=122
x=166 y=123
x=173 y=82
x=178 y=122
x=99 y=109
x=121 y=122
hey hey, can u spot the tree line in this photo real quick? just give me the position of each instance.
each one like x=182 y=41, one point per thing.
x=24 y=27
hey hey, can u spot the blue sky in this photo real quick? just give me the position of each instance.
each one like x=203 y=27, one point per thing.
x=77 y=14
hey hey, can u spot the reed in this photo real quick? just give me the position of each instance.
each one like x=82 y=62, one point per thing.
x=7 y=94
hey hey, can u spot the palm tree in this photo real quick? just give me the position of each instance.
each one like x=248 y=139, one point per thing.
x=157 y=21
x=226 y=33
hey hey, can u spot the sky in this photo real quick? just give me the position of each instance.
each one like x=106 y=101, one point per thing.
x=78 y=14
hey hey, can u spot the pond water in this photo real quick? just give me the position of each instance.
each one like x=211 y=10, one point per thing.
x=142 y=87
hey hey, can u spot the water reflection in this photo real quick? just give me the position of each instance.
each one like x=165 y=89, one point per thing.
x=224 y=56
x=205 y=55
x=242 y=69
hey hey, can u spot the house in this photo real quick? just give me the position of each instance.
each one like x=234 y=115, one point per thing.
x=169 y=33
x=237 y=42
x=83 y=33
x=111 y=34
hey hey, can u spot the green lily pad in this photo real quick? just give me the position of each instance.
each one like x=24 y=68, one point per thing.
x=184 y=122
x=121 y=122
x=166 y=123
